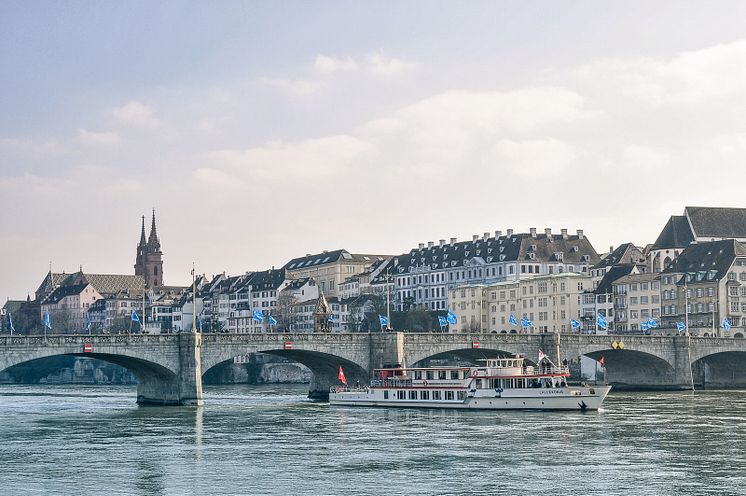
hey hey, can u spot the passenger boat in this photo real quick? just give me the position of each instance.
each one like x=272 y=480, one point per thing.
x=500 y=384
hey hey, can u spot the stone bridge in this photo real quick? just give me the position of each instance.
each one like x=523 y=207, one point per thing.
x=169 y=367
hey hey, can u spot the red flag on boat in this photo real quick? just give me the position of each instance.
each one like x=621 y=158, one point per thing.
x=601 y=361
x=341 y=376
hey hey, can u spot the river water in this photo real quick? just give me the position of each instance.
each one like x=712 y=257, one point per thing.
x=64 y=440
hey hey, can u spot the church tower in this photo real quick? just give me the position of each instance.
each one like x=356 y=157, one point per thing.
x=149 y=260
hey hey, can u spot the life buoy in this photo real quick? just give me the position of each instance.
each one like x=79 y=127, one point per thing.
x=424 y=383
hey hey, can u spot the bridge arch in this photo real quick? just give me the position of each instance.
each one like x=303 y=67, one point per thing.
x=149 y=358
x=323 y=355
x=720 y=370
x=633 y=369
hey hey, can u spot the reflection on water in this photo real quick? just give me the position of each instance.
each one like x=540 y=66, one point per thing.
x=272 y=440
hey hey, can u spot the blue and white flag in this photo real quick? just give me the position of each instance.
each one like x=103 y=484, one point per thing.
x=526 y=322
x=726 y=324
x=451 y=317
x=644 y=326
x=88 y=323
x=199 y=322
x=135 y=318
x=258 y=316
x=601 y=321
x=272 y=321
x=442 y=321
x=511 y=320
x=680 y=326
x=383 y=320
x=10 y=321
x=575 y=324
x=47 y=320
x=652 y=323
x=330 y=318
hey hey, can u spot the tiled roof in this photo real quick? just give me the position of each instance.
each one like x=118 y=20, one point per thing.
x=706 y=261
x=625 y=253
x=675 y=234
x=717 y=222
x=62 y=291
x=108 y=284
x=516 y=247
x=612 y=275
x=331 y=257
x=267 y=279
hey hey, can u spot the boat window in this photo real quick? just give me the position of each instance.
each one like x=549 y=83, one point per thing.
x=442 y=375
x=454 y=374
x=401 y=395
x=436 y=395
x=430 y=375
x=479 y=384
x=424 y=395
x=449 y=395
x=418 y=375
x=385 y=395
x=413 y=395
x=461 y=395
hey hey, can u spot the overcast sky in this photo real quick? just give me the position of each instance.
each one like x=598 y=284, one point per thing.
x=261 y=131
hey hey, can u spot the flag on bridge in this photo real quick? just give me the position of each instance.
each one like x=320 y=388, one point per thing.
x=511 y=320
x=135 y=318
x=726 y=324
x=680 y=326
x=442 y=321
x=525 y=322
x=88 y=322
x=575 y=324
x=601 y=321
x=652 y=323
x=10 y=322
x=272 y=321
x=341 y=376
x=644 y=326
x=383 y=320
x=47 y=320
x=451 y=317
x=330 y=318
x=258 y=316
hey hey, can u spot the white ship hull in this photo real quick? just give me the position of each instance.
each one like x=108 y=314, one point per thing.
x=570 y=398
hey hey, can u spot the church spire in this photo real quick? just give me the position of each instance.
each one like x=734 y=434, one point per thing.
x=142 y=232
x=155 y=245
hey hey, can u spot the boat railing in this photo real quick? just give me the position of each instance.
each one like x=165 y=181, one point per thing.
x=348 y=389
x=545 y=370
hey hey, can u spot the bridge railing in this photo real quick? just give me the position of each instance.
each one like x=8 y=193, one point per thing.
x=80 y=339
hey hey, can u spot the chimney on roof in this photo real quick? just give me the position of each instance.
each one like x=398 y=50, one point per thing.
x=509 y=232
x=486 y=236
x=453 y=241
x=498 y=234
x=580 y=234
x=326 y=251
x=475 y=237
x=533 y=232
x=308 y=254
x=611 y=248
x=421 y=246
x=564 y=233
x=548 y=233
x=430 y=244
x=442 y=242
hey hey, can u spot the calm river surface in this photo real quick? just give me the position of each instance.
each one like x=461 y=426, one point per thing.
x=270 y=440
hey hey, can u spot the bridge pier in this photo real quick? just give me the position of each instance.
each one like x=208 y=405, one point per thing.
x=183 y=388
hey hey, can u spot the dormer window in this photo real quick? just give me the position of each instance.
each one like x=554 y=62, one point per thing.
x=531 y=256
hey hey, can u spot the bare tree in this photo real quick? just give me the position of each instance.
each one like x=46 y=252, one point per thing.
x=287 y=311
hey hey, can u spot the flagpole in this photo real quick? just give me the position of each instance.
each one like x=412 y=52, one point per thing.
x=388 y=301
x=688 y=334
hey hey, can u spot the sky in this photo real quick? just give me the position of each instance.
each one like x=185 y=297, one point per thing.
x=262 y=131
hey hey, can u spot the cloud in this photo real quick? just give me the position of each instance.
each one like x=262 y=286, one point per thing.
x=328 y=65
x=381 y=65
x=86 y=137
x=691 y=77
x=135 y=113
